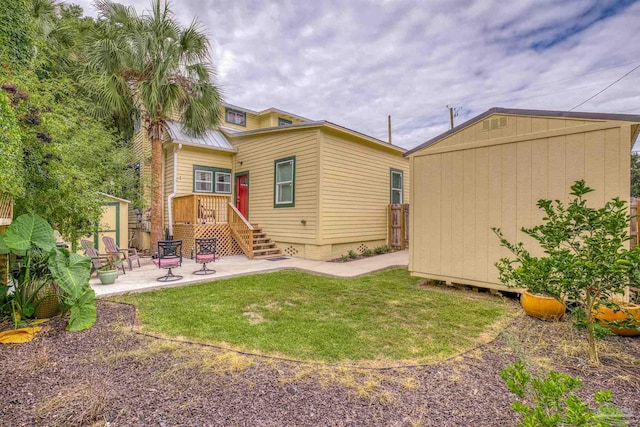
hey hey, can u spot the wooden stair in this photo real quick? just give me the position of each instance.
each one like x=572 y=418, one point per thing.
x=263 y=246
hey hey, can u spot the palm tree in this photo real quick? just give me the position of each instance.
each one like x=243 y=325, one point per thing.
x=148 y=68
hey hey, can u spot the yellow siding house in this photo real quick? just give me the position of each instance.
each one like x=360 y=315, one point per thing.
x=492 y=170
x=271 y=182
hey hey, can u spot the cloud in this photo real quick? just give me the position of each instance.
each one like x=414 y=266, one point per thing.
x=355 y=62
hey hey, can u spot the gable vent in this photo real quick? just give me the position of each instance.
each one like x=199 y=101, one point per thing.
x=494 y=123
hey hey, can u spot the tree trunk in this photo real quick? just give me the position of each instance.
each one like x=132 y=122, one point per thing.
x=156 y=193
x=591 y=339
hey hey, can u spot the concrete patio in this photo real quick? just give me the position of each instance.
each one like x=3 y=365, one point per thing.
x=146 y=277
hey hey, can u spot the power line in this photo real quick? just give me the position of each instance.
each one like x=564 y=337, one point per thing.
x=589 y=99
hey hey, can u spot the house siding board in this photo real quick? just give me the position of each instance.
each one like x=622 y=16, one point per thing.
x=257 y=154
x=498 y=185
x=188 y=157
x=355 y=192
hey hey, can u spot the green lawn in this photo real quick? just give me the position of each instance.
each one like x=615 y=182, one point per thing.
x=377 y=318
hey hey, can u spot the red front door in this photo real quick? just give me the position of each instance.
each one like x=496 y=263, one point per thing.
x=242 y=194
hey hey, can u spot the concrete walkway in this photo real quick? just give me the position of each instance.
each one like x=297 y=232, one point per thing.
x=145 y=277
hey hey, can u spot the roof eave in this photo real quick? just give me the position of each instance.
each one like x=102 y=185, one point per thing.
x=523 y=112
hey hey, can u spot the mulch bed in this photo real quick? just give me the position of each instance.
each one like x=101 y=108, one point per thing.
x=110 y=375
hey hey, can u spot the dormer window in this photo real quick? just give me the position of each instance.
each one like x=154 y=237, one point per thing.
x=236 y=117
x=284 y=122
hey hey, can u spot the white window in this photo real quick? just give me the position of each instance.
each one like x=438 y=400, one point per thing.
x=223 y=182
x=203 y=181
x=284 y=182
x=236 y=117
x=396 y=186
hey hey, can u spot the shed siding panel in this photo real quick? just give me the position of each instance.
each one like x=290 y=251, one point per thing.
x=468 y=205
x=499 y=186
x=594 y=165
x=495 y=207
x=481 y=210
x=612 y=163
x=457 y=184
x=435 y=201
x=447 y=207
x=355 y=186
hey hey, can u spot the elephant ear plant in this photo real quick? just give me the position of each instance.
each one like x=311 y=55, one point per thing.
x=31 y=239
x=585 y=260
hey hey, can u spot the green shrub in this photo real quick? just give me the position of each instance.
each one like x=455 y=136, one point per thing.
x=352 y=254
x=344 y=258
x=585 y=257
x=550 y=400
x=368 y=252
x=382 y=250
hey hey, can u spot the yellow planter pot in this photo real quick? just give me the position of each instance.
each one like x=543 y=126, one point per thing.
x=542 y=307
x=632 y=311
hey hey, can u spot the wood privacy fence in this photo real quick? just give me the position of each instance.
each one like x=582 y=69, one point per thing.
x=398 y=223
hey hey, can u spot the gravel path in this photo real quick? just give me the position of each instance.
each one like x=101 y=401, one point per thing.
x=109 y=375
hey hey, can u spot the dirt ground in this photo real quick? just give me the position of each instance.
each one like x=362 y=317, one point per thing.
x=111 y=376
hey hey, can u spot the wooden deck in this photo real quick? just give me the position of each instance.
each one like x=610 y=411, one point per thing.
x=200 y=209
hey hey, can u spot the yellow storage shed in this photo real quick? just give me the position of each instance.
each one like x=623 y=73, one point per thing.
x=490 y=172
x=113 y=223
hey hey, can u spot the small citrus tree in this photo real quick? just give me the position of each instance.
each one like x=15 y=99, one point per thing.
x=585 y=256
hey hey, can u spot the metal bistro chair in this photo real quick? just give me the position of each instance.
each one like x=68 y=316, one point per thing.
x=205 y=252
x=129 y=255
x=169 y=257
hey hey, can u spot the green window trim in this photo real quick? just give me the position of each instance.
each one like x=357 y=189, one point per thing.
x=276 y=193
x=214 y=173
x=284 y=122
x=393 y=189
x=234 y=111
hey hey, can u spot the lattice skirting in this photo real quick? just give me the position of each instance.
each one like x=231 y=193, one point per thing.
x=189 y=232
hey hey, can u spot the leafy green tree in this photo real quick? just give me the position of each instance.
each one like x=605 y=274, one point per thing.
x=151 y=68
x=585 y=260
x=635 y=175
x=17 y=32
x=11 y=171
x=56 y=155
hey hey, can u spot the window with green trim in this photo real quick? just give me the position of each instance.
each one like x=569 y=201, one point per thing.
x=223 y=182
x=396 y=185
x=236 y=117
x=207 y=179
x=284 y=182
x=203 y=181
x=284 y=122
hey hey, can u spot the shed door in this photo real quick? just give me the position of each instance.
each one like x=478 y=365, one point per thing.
x=242 y=194
x=109 y=226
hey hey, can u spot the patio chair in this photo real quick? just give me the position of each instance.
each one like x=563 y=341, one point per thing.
x=129 y=255
x=169 y=257
x=97 y=260
x=205 y=252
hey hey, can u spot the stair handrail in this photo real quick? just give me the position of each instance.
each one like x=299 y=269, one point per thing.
x=237 y=221
x=239 y=214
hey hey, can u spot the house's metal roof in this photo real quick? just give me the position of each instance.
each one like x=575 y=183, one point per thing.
x=521 y=112
x=319 y=123
x=211 y=139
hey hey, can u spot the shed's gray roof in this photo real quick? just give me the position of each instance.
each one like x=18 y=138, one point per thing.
x=211 y=139
x=522 y=112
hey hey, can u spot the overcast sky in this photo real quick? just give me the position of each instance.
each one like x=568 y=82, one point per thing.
x=354 y=62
